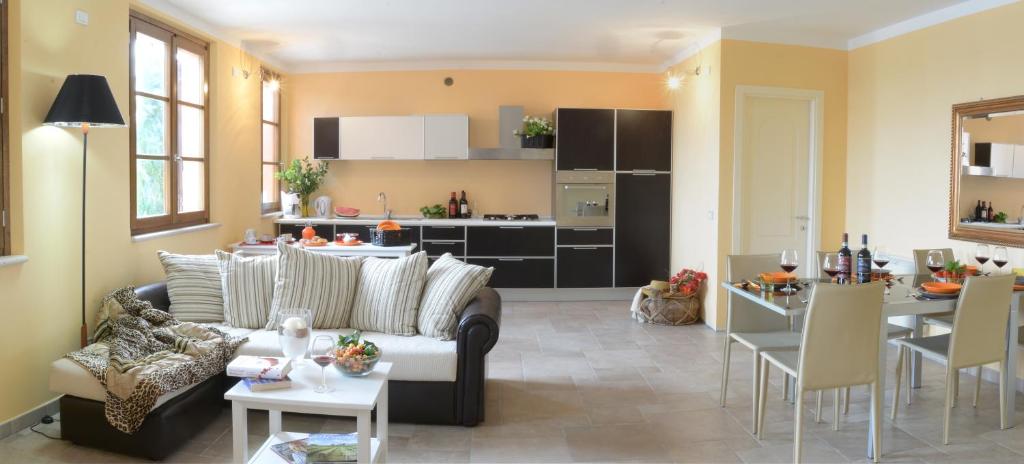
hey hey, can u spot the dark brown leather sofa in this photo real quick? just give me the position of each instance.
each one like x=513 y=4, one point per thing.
x=169 y=426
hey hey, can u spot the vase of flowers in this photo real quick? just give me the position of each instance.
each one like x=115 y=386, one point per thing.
x=303 y=178
x=536 y=133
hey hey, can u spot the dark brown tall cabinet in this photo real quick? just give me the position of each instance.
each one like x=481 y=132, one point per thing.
x=643 y=192
x=327 y=138
x=586 y=139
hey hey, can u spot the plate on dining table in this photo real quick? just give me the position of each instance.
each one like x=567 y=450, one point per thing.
x=939 y=296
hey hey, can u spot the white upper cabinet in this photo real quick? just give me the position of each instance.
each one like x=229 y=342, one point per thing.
x=1018 y=162
x=382 y=137
x=446 y=136
x=1001 y=159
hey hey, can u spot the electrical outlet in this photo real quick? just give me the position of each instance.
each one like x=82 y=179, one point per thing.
x=82 y=17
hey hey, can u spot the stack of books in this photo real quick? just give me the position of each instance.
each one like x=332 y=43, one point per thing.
x=319 y=448
x=262 y=373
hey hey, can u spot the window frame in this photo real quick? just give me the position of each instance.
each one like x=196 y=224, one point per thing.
x=175 y=40
x=266 y=208
x=5 y=166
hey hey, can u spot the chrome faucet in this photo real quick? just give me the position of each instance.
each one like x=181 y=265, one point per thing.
x=382 y=198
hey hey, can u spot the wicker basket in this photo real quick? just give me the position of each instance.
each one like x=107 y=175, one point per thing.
x=670 y=310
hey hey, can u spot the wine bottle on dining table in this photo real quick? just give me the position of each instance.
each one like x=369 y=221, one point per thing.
x=845 y=260
x=864 y=261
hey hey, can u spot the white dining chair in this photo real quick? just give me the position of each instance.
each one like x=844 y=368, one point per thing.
x=979 y=323
x=750 y=325
x=892 y=331
x=839 y=348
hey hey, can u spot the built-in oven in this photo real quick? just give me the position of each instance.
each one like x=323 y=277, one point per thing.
x=585 y=198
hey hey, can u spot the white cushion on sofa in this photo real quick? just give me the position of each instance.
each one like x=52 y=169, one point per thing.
x=69 y=378
x=415 y=358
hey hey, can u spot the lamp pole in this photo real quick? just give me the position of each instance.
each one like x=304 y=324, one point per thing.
x=85 y=160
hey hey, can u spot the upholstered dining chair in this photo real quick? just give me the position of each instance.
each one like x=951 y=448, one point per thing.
x=839 y=348
x=892 y=331
x=976 y=339
x=752 y=326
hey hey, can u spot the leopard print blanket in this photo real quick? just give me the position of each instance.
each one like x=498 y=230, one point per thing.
x=140 y=353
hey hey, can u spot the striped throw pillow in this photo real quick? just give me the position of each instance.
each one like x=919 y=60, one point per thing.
x=193 y=285
x=319 y=282
x=248 y=289
x=388 y=294
x=451 y=284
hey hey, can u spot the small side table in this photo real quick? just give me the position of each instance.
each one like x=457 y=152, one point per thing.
x=352 y=397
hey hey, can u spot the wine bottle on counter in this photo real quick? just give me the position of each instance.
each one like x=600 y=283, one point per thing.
x=984 y=213
x=845 y=260
x=453 y=207
x=463 y=206
x=864 y=261
x=977 y=212
x=991 y=213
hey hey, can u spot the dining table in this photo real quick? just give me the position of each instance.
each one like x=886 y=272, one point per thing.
x=902 y=298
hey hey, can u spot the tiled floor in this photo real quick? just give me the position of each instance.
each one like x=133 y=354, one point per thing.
x=582 y=382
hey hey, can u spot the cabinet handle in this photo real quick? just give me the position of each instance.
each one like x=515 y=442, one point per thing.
x=510 y=259
x=585 y=229
x=441 y=227
x=443 y=243
x=510 y=227
x=584 y=248
x=644 y=172
x=382 y=157
x=584 y=169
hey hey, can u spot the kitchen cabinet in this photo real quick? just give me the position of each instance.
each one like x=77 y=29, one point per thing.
x=586 y=139
x=643 y=140
x=326 y=138
x=519 y=272
x=507 y=241
x=382 y=138
x=1018 y=162
x=584 y=267
x=642 y=220
x=435 y=248
x=444 y=233
x=585 y=236
x=446 y=136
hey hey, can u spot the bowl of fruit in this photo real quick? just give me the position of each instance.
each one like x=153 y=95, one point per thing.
x=354 y=357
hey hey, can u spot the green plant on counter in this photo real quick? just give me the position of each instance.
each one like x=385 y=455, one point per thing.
x=1000 y=217
x=303 y=179
x=434 y=212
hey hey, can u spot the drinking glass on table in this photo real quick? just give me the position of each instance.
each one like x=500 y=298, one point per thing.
x=1000 y=257
x=789 y=263
x=982 y=255
x=935 y=262
x=323 y=355
x=881 y=256
x=830 y=264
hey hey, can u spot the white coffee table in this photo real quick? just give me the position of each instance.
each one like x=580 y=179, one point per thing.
x=352 y=396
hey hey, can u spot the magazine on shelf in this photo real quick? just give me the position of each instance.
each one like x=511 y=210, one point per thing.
x=319 y=448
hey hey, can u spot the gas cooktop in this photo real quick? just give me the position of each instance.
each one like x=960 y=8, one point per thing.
x=511 y=217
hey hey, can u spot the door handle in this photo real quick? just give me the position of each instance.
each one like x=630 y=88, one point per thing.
x=803 y=218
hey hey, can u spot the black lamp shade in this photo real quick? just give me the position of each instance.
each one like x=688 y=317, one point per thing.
x=84 y=99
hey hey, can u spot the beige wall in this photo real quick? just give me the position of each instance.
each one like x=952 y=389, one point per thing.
x=492 y=186
x=901 y=92
x=704 y=148
x=39 y=300
x=695 y=152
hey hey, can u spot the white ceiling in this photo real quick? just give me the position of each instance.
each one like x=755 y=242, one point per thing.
x=641 y=35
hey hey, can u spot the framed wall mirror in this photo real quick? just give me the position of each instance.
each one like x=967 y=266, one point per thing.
x=986 y=201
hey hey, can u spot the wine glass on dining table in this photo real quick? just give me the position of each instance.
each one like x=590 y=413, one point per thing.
x=830 y=264
x=982 y=255
x=1000 y=257
x=935 y=261
x=789 y=263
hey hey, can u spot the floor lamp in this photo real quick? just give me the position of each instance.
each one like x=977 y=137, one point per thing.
x=84 y=101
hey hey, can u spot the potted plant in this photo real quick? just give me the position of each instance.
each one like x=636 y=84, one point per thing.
x=536 y=133
x=303 y=179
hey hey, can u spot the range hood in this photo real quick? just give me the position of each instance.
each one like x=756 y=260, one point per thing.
x=510 y=119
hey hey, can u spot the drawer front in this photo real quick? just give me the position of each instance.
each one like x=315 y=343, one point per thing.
x=584 y=267
x=440 y=248
x=322 y=230
x=444 y=233
x=519 y=272
x=584 y=236
x=510 y=241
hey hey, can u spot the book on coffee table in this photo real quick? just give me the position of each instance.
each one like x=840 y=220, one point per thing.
x=258 y=384
x=319 y=448
x=264 y=367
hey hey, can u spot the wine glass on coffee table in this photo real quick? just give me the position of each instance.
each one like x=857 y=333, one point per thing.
x=323 y=355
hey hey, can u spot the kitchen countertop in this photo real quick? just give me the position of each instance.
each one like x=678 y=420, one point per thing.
x=416 y=221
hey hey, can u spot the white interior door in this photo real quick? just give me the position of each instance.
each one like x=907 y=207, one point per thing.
x=775 y=175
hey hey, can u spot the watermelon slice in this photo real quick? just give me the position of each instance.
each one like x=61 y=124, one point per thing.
x=345 y=211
